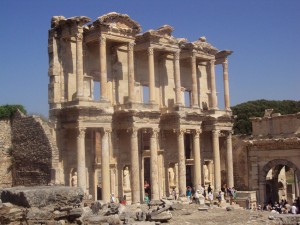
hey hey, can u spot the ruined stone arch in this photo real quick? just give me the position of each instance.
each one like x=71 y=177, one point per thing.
x=276 y=162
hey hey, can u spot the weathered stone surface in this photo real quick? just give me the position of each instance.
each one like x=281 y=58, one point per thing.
x=177 y=206
x=229 y=208
x=10 y=213
x=41 y=196
x=39 y=214
x=162 y=217
x=96 y=219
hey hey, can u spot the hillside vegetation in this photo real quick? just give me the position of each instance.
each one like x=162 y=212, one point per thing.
x=244 y=111
x=7 y=111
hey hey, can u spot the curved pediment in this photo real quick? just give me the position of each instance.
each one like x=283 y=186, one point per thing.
x=118 y=21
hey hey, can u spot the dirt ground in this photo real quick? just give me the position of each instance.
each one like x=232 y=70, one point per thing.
x=190 y=215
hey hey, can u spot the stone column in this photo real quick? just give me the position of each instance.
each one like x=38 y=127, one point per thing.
x=103 y=69
x=296 y=183
x=197 y=158
x=177 y=79
x=217 y=164
x=81 y=167
x=214 y=101
x=181 y=163
x=130 y=72
x=154 y=165
x=195 y=103
x=151 y=75
x=135 y=168
x=226 y=85
x=105 y=158
x=79 y=64
x=230 y=180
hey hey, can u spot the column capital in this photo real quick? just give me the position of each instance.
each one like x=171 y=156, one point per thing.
x=216 y=131
x=150 y=51
x=102 y=40
x=131 y=46
x=197 y=132
x=212 y=62
x=179 y=131
x=106 y=130
x=154 y=131
x=133 y=131
x=79 y=36
x=81 y=132
x=176 y=55
x=225 y=62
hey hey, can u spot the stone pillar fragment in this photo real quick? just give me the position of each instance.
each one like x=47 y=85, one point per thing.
x=135 y=168
x=197 y=158
x=230 y=181
x=177 y=79
x=194 y=82
x=79 y=64
x=103 y=68
x=151 y=75
x=181 y=163
x=217 y=164
x=105 y=168
x=154 y=165
x=130 y=72
x=81 y=166
x=214 y=101
x=226 y=85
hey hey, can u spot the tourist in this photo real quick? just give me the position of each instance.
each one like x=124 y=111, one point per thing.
x=210 y=197
x=174 y=194
x=188 y=193
x=112 y=198
x=219 y=197
x=196 y=196
x=294 y=209
x=146 y=198
x=209 y=189
x=123 y=201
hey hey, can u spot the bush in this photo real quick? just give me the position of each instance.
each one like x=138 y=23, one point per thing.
x=7 y=111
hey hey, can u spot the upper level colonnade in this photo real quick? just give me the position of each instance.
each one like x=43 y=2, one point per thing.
x=112 y=52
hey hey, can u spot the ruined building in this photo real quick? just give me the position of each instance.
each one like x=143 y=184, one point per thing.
x=129 y=108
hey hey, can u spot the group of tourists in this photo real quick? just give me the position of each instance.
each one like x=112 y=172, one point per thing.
x=283 y=207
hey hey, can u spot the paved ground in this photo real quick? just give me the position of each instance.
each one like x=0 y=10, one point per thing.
x=190 y=215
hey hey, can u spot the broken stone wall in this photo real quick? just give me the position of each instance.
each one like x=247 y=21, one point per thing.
x=5 y=151
x=240 y=163
x=32 y=151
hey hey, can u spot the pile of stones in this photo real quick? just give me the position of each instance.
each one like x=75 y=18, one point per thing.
x=66 y=205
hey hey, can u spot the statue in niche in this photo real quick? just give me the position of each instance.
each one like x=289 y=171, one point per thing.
x=171 y=176
x=206 y=174
x=126 y=178
x=74 y=180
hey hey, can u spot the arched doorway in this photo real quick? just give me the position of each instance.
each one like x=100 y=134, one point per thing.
x=278 y=180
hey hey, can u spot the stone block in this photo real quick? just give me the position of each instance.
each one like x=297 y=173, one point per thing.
x=41 y=196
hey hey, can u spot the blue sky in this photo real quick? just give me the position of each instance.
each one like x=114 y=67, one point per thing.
x=264 y=35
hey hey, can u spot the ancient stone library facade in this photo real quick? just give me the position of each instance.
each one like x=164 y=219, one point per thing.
x=129 y=108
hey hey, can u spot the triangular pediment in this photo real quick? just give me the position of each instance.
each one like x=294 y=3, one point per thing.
x=118 y=21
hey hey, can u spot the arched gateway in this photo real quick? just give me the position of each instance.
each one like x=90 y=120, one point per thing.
x=268 y=191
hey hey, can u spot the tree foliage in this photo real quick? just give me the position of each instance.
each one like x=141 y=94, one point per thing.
x=244 y=111
x=7 y=111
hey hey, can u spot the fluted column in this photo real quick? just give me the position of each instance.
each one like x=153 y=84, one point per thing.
x=214 y=101
x=103 y=68
x=195 y=103
x=130 y=72
x=181 y=163
x=135 y=168
x=226 y=85
x=217 y=164
x=151 y=75
x=81 y=167
x=154 y=165
x=230 y=180
x=197 y=158
x=177 y=79
x=105 y=158
x=79 y=64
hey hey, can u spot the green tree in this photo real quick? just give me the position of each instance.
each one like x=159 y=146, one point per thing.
x=7 y=111
x=244 y=111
